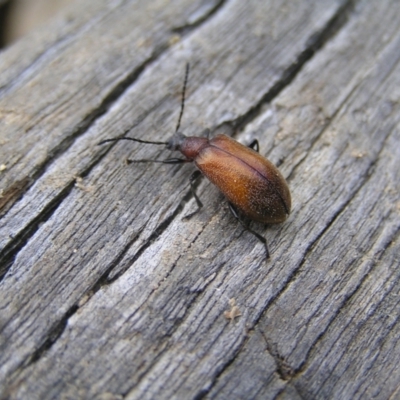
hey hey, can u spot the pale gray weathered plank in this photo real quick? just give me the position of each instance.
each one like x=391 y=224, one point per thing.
x=109 y=293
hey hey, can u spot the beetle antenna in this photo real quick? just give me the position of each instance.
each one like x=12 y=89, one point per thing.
x=129 y=138
x=183 y=97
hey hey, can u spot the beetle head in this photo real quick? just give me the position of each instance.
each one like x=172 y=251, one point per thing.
x=175 y=142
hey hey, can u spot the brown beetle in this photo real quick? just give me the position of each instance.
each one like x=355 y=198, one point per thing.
x=251 y=183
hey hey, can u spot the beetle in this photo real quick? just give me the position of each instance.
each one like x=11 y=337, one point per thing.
x=252 y=184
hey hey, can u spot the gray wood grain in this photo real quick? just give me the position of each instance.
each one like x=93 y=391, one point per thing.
x=108 y=292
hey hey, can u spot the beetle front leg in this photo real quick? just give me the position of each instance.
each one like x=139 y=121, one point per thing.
x=262 y=239
x=167 y=161
x=195 y=175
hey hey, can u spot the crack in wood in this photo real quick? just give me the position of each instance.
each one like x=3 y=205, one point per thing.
x=10 y=251
x=51 y=338
x=314 y=43
x=374 y=261
x=12 y=193
x=104 y=280
x=203 y=392
x=324 y=128
x=168 y=343
x=158 y=231
x=346 y=300
x=283 y=369
x=202 y=15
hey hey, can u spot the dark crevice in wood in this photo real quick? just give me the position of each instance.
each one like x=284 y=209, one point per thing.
x=203 y=393
x=190 y=25
x=283 y=369
x=192 y=297
x=146 y=370
x=106 y=280
x=390 y=330
x=9 y=252
x=390 y=242
x=323 y=129
x=285 y=397
x=11 y=194
x=166 y=345
x=4 y=13
x=314 y=43
x=309 y=249
x=279 y=371
x=196 y=292
x=347 y=298
x=82 y=128
x=52 y=337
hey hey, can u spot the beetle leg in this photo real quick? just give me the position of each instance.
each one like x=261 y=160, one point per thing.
x=254 y=145
x=167 y=161
x=262 y=239
x=206 y=133
x=175 y=161
x=195 y=175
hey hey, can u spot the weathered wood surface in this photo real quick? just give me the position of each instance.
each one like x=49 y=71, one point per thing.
x=108 y=293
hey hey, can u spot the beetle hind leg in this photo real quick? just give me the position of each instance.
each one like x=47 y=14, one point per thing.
x=262 y=239
x=255 y=145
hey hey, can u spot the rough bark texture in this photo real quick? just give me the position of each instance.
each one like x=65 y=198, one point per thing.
x=107 y=292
